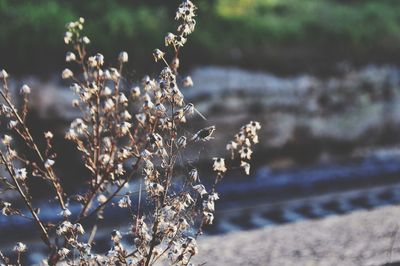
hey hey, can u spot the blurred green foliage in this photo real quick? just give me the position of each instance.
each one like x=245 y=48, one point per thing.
x=260 y=33
x=355 y=21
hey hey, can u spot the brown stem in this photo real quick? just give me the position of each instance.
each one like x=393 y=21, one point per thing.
x=169 y=176
x=10 y=170
x=3 y=258
x=96 y=156
x=82 y=54
x=129 y=177
x=50 y=173
x=98 y=208
x=167 y=248
x=152 y=242
x=95 y=189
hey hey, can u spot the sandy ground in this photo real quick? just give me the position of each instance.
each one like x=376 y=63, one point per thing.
x=359 y=238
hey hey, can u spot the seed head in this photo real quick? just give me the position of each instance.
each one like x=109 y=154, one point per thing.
x=124 y=202
x=193 y=175
x=187 y=82
x=63 y=252
x=158 y=54
x=246 y=167
x=6 y=139
x=135 y=92
x=169 y=39
x=67 y=73
x=49 y=163
x=48 y=135
x=3 y=74
x=70 y=57
x=200 y=189
x=219 y=165
x=181 y=142
x=65 y=213
x=25 y=89
x=21 y=174
x=20 y=247
x=85 y=40
x=123 y=57
x=116 y=236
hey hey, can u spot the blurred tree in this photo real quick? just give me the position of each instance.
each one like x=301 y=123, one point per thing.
x=284 y=35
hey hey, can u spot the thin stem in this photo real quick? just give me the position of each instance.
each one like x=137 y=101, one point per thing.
x=3 y=258
x=92 y=234
x=129 y=177
x=98 y=208
x=19 y=258
x=50 y=173
x=97 y=146
x=96 y=155
x=45 y=235
x=169 y=172
x=153 y=240
x=168 y=247
x=82 y=54
x=166 y=63
x=138 y=207
x=132 y=253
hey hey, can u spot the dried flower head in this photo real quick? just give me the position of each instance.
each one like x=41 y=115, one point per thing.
x=116 y=236
x=200 y=189
x=6 y=139
x=65 y=213
x=246 y=167
x=49 y=163
x=219 y=165
x=63 y=252
x=21 y=173
x=20 y=247
x=124 y=202
x=187 y=82
x=48 y=135
x=123 y=57
x=3 y=74
x=158 y=54
x=193 y=175
x=25 y=89
x=67 y=73
x=70 y=57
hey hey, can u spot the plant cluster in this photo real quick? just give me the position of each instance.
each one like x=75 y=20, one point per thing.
x=122 y=135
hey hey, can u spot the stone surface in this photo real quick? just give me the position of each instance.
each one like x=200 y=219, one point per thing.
x=359 y=238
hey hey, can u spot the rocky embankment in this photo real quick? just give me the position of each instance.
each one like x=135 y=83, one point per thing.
x=305 y=118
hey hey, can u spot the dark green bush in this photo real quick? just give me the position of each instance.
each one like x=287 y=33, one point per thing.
x=250 y=32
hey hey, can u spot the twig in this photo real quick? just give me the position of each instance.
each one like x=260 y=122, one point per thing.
x=392 y=242
x=3 y=258
x=50 y=173
x=10 y=170
x=129 y=177
x=98 y=208
x=92 y=234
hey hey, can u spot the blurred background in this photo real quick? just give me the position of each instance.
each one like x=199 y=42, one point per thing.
x=322 y=76
x=283 y=37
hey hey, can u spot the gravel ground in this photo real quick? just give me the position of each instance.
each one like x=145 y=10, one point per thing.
x=359 y=238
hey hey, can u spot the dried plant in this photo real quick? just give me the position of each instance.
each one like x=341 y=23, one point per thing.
x=116 y=148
